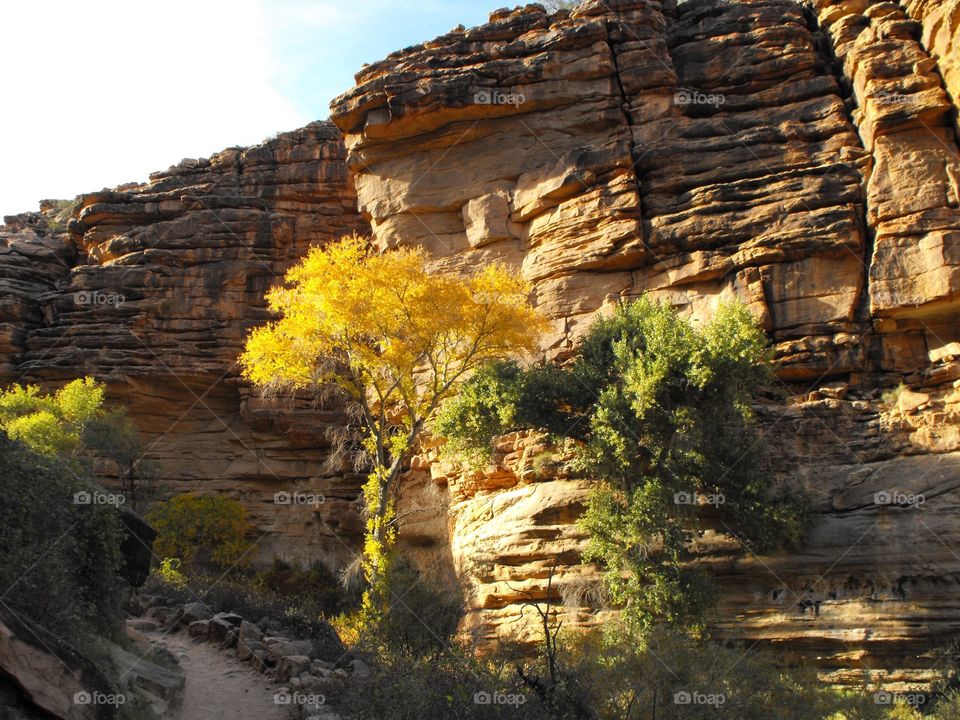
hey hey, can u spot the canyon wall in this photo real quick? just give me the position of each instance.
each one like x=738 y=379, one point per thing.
x=801 y=157
x=151 y=289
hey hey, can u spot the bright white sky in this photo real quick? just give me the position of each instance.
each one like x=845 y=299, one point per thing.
x=102 y=92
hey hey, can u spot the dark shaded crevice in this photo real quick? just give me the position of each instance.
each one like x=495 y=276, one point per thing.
x=617 y=25
x=830 y=64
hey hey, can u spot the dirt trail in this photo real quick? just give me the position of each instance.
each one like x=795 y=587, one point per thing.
x=219 y=686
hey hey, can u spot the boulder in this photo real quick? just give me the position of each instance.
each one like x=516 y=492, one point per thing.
x=291 y=666
x=53 y=675
x=221 y=624
x=278 y=647
x=259 y=661
x=196 y=611
x=199 y=629
x=247 y=648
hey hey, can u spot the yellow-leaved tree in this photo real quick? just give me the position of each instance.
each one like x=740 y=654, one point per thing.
x=397 y=340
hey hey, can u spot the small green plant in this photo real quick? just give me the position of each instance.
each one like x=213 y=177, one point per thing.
x=891 y=397
x=169 y=572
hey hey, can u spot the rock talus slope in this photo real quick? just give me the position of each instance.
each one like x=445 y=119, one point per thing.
x=801 y=157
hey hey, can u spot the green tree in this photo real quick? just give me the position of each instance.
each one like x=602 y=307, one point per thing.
x=50 y=424
x=661 y=413
x=72 y=424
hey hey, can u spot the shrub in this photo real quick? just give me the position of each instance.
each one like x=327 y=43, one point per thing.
x=72 y=424
x=421 y=618
x=59 y=560
x=202 y=531
x=452 y=684
x=314 y=589
x=660 y=412
x=168 y=572
x=604 y=676
x=50 y=424
x=301 y=600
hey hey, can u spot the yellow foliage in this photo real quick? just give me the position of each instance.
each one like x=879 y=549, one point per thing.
x=169 y=573
x=199 y=530
x=398 y=340
x=387 y=325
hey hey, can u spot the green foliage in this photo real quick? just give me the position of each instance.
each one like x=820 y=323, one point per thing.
x=314 y=590
x=50 y=424
x=301 y=599
x=113 y=435
x=421 y=618
x=168 y=572
x=59 y=560
x=668 y=676
x=661 y=412
x=71 y=424
x=445 y=685
x=201 y=531
x=605 y=676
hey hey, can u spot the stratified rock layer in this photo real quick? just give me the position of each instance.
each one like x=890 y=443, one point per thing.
x=153 y=289
x=802 y=158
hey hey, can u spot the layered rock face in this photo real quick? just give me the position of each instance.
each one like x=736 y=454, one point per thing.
x=802 y=158
x=151 y=288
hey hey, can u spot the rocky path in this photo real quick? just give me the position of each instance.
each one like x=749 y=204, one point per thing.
x=220 y=686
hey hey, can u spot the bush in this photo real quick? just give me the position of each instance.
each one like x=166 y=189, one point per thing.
x=604 y=676
x=453 y=684
x=421 y=618
x=50 y=424
x=660 y=412
x=59 y=560
x=202 y=531
x=314 y=589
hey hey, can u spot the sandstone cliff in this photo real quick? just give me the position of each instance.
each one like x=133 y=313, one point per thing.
x=151 y=288
x=802 y=157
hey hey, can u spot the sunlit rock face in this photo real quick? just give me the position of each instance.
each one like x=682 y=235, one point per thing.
x=152 y=288
x=801 y=157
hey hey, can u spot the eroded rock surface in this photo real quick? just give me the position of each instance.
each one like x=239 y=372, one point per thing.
x=152 y=287
x=801 y=157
